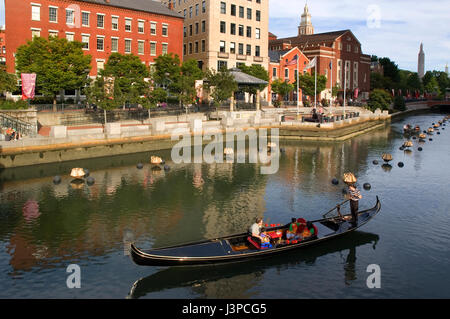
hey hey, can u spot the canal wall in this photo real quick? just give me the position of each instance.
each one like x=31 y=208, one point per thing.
x=69 y=144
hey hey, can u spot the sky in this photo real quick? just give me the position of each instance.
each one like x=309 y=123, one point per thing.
x=385 y=28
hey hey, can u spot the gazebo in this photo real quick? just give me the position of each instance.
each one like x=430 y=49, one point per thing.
x=244 y=79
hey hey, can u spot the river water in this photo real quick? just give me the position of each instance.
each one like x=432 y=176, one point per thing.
x=44 y=228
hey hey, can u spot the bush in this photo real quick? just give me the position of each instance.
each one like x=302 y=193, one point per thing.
x=325 y=102
x=399 y=103
x=306 y=103
x=379 y=99
x=11 y=105
x=42 y=100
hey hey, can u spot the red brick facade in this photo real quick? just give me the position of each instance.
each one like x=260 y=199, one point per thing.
x=279 y=68
x=49 y=17
x=339 y=48
x=2 y=46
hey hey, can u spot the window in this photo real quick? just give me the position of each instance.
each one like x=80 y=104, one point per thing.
x=249 y=32
x=190 y=48
x=274 y=72
x=128 y=25
x=141 y=26
x=257 y=50
x=286 y=73
x=356 y=49
x=241 y=30
x=165 y=30
x=196 y=47
x=249 y=49
x=258 y=1
x=203 y=26
x=241 y=49
x=221 y=65
x=241 y=12
x=196 y=28
x=52 y=14
x=100 y=43
x=223 y=8
x=153 y=48
x=36 y=12
x=222 y=27
x=349 y=48
x=141 y=45
x=70 y=36
x=190 y=30
x=203 y=45
x=115 y=23
x=203 y=6
x=85 y=41
x=100 y=20
x=257 y=33
x=127 y=45
x=249 y=13
x=190 y=12
x=100 y=65
x=35 y=33
x=340 y=45
x=184 y=31
x=114 y=44
x=258 y=15
x=153 y=28
x=165 y=48
x=69 y=16
x=185 y=13
x=52 y=33
x=233 y=10
x=85 y=19
x=196 y=9
x=233 y=28
x=232 y=47
x=184 y=49
x=222 y=46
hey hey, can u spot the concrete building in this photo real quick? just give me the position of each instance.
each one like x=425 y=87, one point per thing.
x=224 y=33
x=337 y=52
x=421 y=62
x=141 y=27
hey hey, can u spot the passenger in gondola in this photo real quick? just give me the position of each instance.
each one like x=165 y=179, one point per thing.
x=292 y=232
x=256 y=233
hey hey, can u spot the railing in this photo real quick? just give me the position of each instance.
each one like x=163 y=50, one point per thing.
x=20 y=126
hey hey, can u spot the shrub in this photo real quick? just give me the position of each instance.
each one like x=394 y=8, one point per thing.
x=399 y=103
x=379 y=99
x=11 y=105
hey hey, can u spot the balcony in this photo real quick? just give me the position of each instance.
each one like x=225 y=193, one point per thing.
x=258 y=59
x=241 y=57
x=222 y=55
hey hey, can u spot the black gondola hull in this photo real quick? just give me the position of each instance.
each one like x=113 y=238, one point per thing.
x=218 y=251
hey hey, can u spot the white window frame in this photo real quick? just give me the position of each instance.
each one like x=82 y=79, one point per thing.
x=96 y=64
x=167 y=48
x=103 y=15
x=112 y=24
x=73 y=16
x=53 y=7
x=156 y=27
x=117 y=39
x=35 y=30
x=128 y=22
x=89 y=19
x=151 y=43
x=96 y=43
x=143 y=47
x=143 y=26
x=54 y=32
x=35 y=6
x=84 y=35
x=166 y=26
x=72 y=34
x=126 y=40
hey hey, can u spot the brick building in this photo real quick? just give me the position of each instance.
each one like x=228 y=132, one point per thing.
x=140 y=27
x=280 y=67
x=2 y=45
x=341 y=49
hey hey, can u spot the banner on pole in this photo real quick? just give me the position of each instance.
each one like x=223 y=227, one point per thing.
x=28 y=85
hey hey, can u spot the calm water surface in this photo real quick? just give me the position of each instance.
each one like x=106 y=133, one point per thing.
x=46 y=227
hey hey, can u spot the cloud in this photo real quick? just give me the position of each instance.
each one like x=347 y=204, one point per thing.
x=402 y=26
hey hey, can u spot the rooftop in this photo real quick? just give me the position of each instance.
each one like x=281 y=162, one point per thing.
x=150 y=6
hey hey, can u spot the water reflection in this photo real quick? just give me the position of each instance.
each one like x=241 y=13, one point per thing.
x=237 y=279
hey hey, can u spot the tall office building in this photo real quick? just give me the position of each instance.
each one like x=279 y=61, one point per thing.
x=421 y=63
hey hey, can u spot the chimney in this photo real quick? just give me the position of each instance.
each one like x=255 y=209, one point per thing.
x=107 y=1
x=170 y=5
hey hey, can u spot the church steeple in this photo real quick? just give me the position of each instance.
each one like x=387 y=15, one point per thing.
x=306 y=27
x=421 y=62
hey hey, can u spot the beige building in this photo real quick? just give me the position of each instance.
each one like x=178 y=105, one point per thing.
x=223 y=32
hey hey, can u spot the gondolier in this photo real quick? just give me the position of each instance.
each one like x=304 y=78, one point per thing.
x=354 y=195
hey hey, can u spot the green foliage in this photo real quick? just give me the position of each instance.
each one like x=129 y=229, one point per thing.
x=167 y=71
x=8 y=82
x=379 y=99
x=432 y=87
x=257 y=71
x=190 y=72
x=281 y=88
x=58 y=64
x=307 y=84
x=220 y=85
x=11 y=105
x=399 y=103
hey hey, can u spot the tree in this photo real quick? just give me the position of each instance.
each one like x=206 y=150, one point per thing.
x=399 y=103
x=220 y=85
x=167 y=71
x=281 y=88
x=153 y=97
x=59 y=64
x=257 y=71
x=190 y=72
x=413 y=82
x=8 y=81
x=390 y=69
x=307 y=84
x=432 y=87
x=379 y=99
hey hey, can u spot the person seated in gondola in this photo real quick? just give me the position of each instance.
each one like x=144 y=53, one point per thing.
x=309 y=230
x=256 y=233
x=292 y=232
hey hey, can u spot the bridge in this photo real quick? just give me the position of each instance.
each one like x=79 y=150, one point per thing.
x=432 y=103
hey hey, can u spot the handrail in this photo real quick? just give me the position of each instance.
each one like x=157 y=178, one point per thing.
x=18 y=124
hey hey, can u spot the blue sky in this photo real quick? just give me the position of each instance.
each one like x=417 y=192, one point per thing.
x=392 y=28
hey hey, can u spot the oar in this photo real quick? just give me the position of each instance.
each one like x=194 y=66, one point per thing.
x=338 y=205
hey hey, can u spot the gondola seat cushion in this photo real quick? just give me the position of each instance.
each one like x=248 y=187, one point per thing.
x=257 y=245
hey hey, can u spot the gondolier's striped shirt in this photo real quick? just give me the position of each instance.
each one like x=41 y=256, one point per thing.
x=354 y=194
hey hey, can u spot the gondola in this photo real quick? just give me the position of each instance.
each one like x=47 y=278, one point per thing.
x=240 y=247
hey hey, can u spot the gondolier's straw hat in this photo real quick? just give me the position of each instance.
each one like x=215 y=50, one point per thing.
x=349 y=178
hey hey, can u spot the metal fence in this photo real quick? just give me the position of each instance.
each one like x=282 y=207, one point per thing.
x=24 y=128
